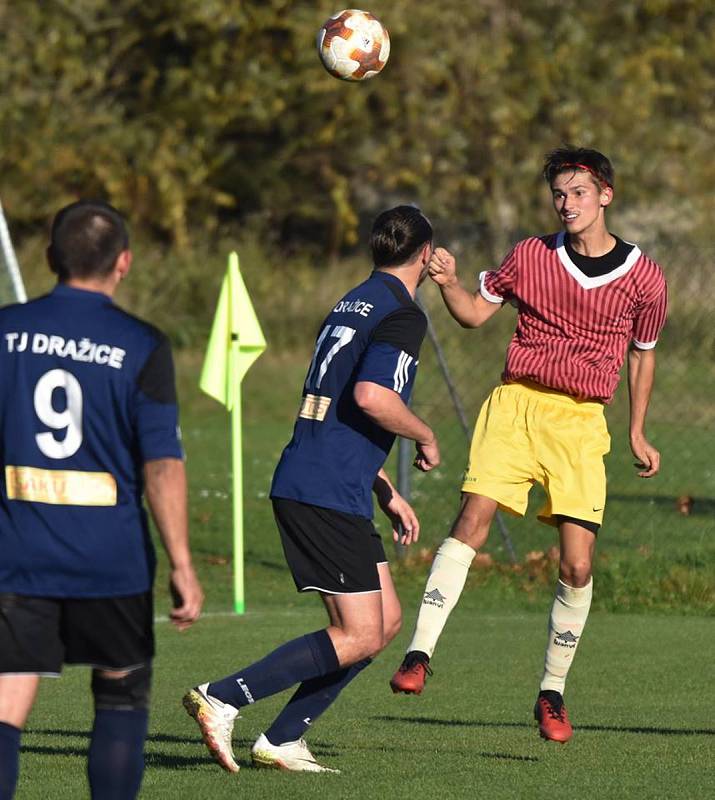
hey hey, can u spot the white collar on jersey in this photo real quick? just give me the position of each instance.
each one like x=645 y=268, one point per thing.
x=599 y=280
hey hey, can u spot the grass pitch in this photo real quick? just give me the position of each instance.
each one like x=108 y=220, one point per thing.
x=638 y=697
x=640 y=694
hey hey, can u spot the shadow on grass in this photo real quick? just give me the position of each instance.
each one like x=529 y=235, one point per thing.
x=506 y=757
x=701 y=506
x=152 y=737
x=613 y=728
x=154 y=759
x=275 y=566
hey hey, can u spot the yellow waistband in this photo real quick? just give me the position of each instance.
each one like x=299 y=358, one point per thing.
x=556 y=396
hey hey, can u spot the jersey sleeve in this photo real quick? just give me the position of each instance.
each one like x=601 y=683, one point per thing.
x=650 y=316
x=391 y=358
x=497 y=286
x=157 y=412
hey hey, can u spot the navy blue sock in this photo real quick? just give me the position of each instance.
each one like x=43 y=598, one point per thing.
x=312 y=698
x=9 y=759
x=298 y=660
x=116 y=753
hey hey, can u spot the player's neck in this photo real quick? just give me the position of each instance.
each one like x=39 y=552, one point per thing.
x=594 y=241
x=408 y=276
x=88 y=285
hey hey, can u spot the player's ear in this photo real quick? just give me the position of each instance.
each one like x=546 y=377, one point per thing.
x=123 y=263
x=606 y=196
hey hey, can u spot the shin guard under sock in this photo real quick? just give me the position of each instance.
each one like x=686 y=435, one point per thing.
x=444 y=586
x=566 y=622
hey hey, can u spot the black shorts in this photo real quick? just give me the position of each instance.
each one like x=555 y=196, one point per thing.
x=329 y=551
x=39 y=634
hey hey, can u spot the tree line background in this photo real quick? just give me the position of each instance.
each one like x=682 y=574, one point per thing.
x=196 y=115
x=212 y=126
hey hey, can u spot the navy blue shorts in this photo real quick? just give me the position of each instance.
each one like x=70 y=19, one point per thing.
x=39 y=634
x=329 y=551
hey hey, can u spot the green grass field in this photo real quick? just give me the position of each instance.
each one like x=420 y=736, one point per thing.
x=640 y=697
x=640 y=694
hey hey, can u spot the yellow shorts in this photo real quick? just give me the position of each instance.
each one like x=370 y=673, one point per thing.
x=527 y=433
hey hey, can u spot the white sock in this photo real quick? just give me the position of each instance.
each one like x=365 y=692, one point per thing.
x=444 y=586
x=568 y=617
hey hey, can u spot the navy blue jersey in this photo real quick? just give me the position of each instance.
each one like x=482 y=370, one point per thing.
x=373 y=334
x=87 y=396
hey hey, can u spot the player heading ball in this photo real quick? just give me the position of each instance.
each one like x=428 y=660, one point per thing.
x=585 y=299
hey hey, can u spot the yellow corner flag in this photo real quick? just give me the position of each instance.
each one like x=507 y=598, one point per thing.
x=235 y=342
x=236 y=339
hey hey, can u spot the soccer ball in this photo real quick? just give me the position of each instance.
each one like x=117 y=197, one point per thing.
x=353 y=45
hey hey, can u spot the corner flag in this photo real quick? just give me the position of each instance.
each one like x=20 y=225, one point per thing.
x=236 y=341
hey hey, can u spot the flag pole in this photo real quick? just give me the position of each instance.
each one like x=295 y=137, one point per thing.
x=239 y=604
x=235 y=342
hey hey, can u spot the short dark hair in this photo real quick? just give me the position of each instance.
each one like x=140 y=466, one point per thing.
x=398 y=234
x=86 y=239
x=569 y=157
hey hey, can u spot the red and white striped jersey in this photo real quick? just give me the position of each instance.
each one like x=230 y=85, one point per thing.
x=572 y=331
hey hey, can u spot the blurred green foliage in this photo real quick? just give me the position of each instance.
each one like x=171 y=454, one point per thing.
x=212 y=126
x=196 y=115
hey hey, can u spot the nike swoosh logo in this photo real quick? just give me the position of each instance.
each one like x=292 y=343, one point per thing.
x=598 y=509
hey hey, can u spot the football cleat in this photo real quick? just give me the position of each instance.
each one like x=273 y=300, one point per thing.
x=410 y=677
x=291 y=756
x=550 y=713
x=215 y=720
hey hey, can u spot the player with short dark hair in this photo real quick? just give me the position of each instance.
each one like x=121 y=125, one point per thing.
x=584 y=159
x=584 y=298
x=354 y=403
x=88 y=424
x=86 y=240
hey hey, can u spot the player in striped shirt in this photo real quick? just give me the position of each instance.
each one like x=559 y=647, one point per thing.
x=585 y=298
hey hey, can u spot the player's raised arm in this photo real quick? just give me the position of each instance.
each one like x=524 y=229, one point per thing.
x=469 y=309
x=165 y=486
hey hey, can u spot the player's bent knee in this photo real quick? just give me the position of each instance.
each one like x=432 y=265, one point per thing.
x=471 y=526
x=122 y=694
x=576 y=574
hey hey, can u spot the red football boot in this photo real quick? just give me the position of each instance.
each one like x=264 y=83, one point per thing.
x=550 y=713
x=410 y=677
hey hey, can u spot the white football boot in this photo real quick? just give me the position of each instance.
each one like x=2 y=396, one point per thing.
x=215 y=720
x=291 y=756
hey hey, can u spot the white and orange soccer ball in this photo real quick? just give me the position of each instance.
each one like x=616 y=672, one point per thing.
x=353 y=45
